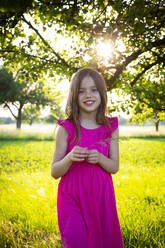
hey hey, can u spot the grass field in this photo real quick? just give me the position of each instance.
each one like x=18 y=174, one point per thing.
x=28 y=216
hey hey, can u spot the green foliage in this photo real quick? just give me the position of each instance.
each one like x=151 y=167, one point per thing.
x=30 y=114
x=139 y=25
x=14 y=7
x=8 y=86
x=28 y=194
x=150 y=100
x=21 y=94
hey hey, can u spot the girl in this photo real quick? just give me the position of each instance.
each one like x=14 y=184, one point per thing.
x=86 y=154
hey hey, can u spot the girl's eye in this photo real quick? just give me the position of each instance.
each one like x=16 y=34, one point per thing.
x=81 y=91
x=94 y=89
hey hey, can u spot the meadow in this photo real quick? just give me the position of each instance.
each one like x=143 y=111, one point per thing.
x=28 y=214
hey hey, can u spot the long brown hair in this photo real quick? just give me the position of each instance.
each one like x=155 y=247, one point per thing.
x=72 y=106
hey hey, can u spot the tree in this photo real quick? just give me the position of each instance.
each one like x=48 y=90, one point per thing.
x=150 y=100
x=142 y=113
x=138 y=25
x=16 y=94
x=30 y=114
x=55 y=113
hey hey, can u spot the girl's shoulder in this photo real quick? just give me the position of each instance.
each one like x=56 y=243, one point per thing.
x=67 y=124
x=113 y=123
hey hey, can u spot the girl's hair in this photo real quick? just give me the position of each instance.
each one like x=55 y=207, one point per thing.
x=72 y=106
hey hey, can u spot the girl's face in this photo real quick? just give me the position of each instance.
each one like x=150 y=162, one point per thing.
x=89 y=97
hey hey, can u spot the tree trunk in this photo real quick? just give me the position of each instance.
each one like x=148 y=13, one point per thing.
x=19 y=118
x=157 y=125
x=18 y=123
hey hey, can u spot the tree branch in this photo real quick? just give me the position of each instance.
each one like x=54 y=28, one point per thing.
x=27 y=54
x=142 y=100
x=45 y=42
x=129 y=59
x=6 y=105
x=17 y=74
x=146 y=68
x=15 y=105
x=120 y=68
x=100 y=13
x=140 y=74
x=158 y=43
x=74 y=9
x=50 y=61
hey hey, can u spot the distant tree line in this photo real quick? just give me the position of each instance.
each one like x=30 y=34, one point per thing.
x=6 y=120
x=53 y=119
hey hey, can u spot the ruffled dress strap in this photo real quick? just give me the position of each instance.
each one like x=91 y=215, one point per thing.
x=69 y=126
x=114 y=123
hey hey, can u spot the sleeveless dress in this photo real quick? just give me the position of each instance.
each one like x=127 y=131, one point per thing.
x=86 y=206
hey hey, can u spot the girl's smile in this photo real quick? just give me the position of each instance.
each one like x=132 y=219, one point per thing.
x=89 y=103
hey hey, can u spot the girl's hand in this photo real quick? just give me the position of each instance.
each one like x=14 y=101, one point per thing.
x=78 y=154
x=93 y=156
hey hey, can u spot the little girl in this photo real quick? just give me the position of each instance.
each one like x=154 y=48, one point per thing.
x=86 y=154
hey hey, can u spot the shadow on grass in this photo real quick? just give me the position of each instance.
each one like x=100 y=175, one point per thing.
x=25 y=137
x=47 y=137
x=160 y=138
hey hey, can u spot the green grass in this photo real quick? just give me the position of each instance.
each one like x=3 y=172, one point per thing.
x=16 y=135
x=28 y=195
x=140 y=192
x=28 y=216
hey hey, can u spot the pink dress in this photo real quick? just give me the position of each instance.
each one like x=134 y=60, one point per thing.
x=87 y=215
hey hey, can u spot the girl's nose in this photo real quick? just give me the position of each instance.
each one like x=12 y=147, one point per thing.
x=88 y=93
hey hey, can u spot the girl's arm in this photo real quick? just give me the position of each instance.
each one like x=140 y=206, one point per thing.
x=62 y=162
x=110 y=164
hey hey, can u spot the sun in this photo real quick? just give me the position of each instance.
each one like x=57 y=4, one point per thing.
x=104 y=50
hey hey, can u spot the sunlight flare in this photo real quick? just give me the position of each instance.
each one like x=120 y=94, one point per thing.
x=120 y=46
x=104 y=50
